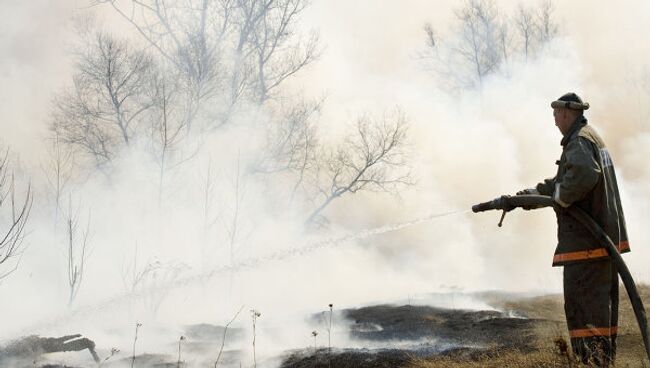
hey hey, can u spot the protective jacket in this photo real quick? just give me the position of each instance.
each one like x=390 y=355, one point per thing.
x=585 y=178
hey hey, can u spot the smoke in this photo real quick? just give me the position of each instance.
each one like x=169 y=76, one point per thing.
x=479 y=145
x=465 y=149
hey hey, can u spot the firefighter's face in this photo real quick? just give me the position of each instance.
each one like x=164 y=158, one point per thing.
x=563 y=119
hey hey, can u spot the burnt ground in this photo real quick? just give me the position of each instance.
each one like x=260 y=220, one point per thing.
x=383 y=336
x=464 y=339
x=405 y=336
x=458 y=327
x=430 y=331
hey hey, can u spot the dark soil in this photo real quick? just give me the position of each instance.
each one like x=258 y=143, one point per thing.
x=386 y=336
x=458 y=327
x=433 y=331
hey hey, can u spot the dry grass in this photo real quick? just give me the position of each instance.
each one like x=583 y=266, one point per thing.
x=631 y=353
x=506 y=359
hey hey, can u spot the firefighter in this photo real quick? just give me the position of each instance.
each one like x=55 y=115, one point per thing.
x=585 y=178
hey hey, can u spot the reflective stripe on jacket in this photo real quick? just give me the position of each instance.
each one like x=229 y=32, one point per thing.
x=585 y=178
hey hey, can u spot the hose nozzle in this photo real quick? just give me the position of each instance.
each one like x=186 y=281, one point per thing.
x=496 y=204
x=508 y=203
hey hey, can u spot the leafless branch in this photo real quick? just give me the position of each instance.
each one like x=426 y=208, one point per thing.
x=229 y=51
x=59 y=170
x=373 y=159
x=547 y=28
x=151 y=278
x=13 y=217
x=232 y=221
x=168 y=123
x=481 y=42
x=76 y=251
x=102 y=110
x=525 y=23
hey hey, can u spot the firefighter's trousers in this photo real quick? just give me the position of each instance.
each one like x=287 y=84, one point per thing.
x=591 y=308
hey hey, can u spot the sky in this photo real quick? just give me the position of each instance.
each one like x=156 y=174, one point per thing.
x=466 y=148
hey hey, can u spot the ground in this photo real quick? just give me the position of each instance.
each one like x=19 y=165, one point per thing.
x=530 y=332
x=518 y=332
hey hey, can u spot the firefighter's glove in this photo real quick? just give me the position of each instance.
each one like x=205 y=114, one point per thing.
x=527 y=192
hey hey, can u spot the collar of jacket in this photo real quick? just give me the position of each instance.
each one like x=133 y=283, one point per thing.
x=575 y=127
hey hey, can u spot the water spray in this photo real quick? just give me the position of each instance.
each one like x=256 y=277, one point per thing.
x=296 y=251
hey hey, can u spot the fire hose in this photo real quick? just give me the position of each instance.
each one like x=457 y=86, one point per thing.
x=507 y=203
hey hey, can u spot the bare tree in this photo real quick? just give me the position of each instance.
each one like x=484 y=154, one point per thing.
x=505 y=41
x=479 y=35
x=535 y=27
x=152 y=280
x=546 y=27
x=231 y=220
x=133 y=276
x=274 y=33
x=156 y=283
x=483 y=41
x=231 y=50
x=14 y=214
x=76 y=251
x=208 y=191
x=102 y=110
x=292 y=144
x=526 y=26
x=474 y=50
x=373 y=159
x=168 y=123
x=59 y=169
x=182 y=34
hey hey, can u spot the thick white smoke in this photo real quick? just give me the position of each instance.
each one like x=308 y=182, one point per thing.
x=465 y=149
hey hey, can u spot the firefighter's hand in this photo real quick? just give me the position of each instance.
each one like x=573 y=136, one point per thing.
x=527 y=192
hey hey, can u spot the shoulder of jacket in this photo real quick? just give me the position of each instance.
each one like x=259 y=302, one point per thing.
x=580 y=142
x=589 y=133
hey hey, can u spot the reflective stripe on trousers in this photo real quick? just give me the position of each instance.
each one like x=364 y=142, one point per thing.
x=594 y=331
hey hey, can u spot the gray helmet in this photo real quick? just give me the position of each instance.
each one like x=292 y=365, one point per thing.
x=570 y=101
